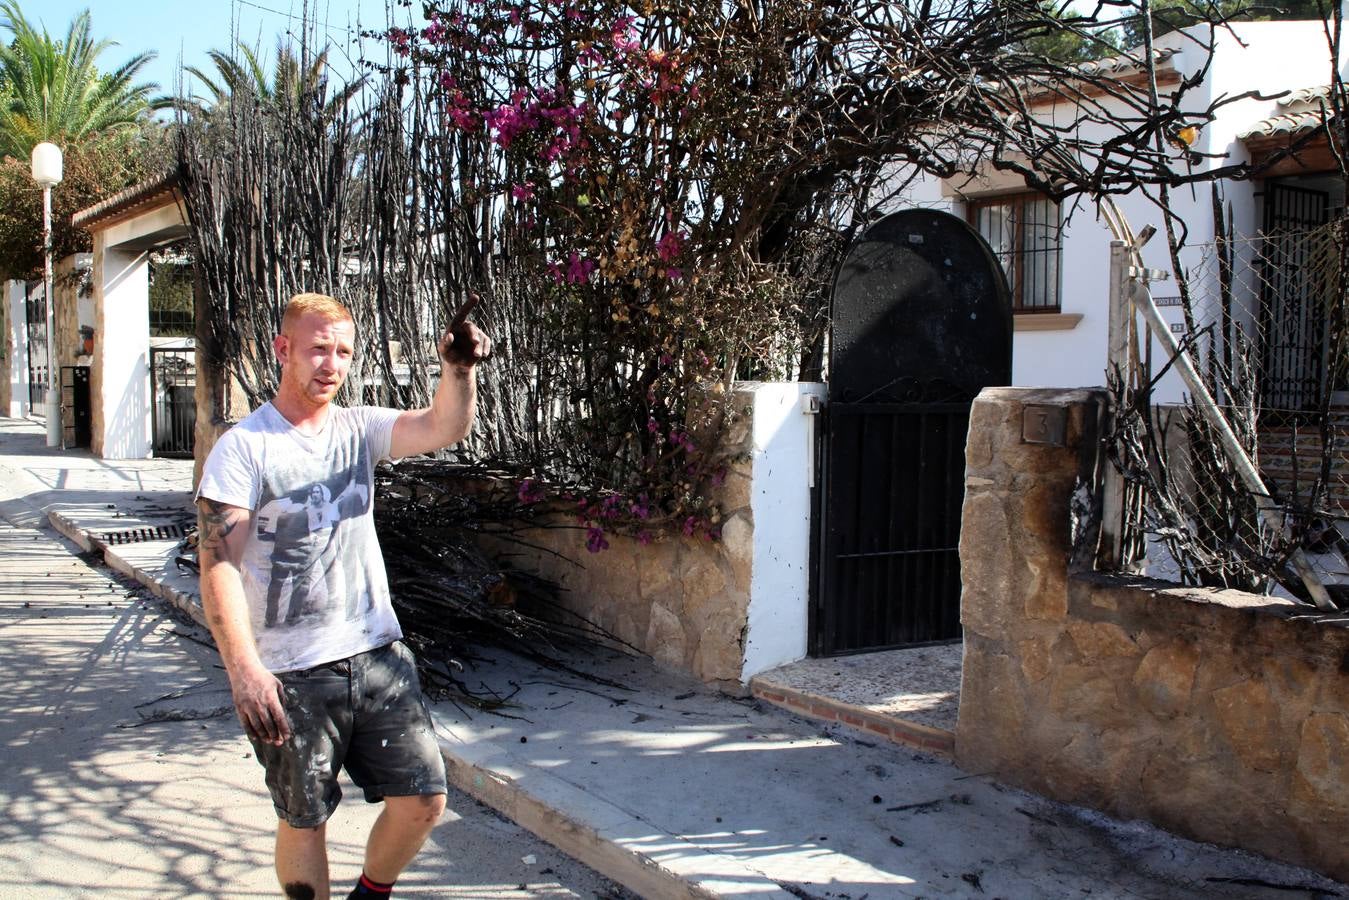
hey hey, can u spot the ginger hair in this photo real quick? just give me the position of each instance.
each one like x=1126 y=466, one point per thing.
x=300 y=305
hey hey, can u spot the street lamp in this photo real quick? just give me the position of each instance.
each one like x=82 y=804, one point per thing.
x=47 y=173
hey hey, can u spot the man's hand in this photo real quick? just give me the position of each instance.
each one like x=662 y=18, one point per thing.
x=464 y=344
x=259 y=701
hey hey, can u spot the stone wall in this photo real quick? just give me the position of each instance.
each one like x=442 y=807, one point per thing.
x=683 y=601
x=725 y=610
x=1219 y=715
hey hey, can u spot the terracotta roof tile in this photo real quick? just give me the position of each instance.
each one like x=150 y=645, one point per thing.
x=142 y=194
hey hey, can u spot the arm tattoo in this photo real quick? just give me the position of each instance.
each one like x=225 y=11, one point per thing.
x=214 y=525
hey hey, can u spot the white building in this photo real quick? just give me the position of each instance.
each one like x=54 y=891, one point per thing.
x=1057 y=256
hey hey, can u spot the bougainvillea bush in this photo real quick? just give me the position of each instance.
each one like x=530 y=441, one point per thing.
x=625 y=184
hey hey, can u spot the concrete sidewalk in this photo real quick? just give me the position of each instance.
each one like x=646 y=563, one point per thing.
x=678 y=791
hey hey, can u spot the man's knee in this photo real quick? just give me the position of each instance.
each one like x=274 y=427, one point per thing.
x=424 y=809
x=315 y=834
x=430 y=807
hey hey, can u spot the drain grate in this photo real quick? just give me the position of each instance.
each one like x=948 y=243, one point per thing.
x=148 y=533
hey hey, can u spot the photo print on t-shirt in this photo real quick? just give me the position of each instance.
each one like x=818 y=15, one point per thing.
x=300 y=520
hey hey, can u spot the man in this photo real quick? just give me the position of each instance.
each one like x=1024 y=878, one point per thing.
x=331 y=685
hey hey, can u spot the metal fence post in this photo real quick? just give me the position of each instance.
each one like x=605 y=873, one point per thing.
x=1111 y=551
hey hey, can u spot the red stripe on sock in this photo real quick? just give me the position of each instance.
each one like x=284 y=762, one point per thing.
x=371 y=885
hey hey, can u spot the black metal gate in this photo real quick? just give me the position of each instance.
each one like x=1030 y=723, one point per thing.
x=75 y=397
x=922 y=321
x=35 y=311
x=173 y=380
x=1293 y=325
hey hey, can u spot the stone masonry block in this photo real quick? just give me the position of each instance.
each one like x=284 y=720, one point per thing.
x=1250 y=723
x=665 y=639
x=990 y=734
x=1102 y=640
x=1165 y=678
x=986 y=564
x=1323 y=764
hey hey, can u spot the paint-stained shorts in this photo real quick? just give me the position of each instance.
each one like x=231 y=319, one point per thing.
x=366 y=714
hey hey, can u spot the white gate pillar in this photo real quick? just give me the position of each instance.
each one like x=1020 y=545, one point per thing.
x=120 y=377
x=16 y=349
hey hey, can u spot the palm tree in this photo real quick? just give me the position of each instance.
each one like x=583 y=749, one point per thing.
x=291 y=80
x=52 y=90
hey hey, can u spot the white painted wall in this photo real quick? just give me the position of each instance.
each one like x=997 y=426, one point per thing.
x=779 y=596
x=16 y=349
x=123 y=353
x=1267 y=56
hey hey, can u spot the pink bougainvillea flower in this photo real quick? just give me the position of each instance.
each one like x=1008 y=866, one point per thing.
x=463 y=118
x=689 y=524
x=595 y=541
x=523 y=192
x=674 y=274
x=578 y=268
x=530 y=491
x=436 y=32
x=623 y=36
x=644 y=537
x=670 y=245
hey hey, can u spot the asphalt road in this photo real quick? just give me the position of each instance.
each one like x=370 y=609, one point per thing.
x=125 y=773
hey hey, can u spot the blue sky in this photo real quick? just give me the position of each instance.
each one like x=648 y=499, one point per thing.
x=174 y=29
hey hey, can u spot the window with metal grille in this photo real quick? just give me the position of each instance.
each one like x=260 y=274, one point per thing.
x=1025 y=233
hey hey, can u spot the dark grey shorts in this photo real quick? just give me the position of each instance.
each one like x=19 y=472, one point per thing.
x=365 y=714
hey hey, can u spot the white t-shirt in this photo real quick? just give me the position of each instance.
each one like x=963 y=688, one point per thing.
x=312 y=569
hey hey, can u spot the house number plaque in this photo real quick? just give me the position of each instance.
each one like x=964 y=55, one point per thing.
x=1044 y=425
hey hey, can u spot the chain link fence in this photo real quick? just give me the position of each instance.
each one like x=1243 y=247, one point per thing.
x=1263 y=324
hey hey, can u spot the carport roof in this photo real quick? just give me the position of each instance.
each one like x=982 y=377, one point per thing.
x=139 y=198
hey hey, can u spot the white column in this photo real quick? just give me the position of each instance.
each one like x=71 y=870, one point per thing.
x=123 y=354
x=16 y=349
x=783 y=457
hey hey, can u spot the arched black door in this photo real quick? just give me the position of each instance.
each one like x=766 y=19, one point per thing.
x=922 y=321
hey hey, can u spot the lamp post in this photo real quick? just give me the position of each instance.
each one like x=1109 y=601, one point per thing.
x=47 y=173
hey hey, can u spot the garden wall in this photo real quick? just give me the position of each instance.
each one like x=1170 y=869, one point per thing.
x=1219 y=715
x=725 y=610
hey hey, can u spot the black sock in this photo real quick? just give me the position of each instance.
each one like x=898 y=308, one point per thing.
x=368 y=887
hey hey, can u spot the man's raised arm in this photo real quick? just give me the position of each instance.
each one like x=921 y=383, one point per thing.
x=449 y=418
x=221 y=533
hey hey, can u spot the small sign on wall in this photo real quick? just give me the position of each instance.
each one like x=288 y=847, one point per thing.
x=1044 y=425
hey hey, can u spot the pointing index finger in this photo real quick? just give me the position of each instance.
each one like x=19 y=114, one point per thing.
x=464 y=311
